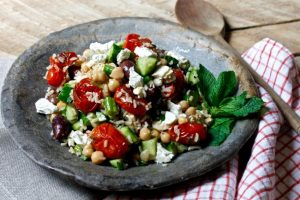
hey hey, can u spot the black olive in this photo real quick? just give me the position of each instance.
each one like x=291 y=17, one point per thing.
x=126 y=65
x=60 y=127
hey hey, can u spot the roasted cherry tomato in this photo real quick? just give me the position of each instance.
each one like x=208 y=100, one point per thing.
x=63 y=59
x=125 y=98
x=109 y=140
x=188 y=133
x=86 y=95
x=55 y=76
x=133 y=40
x=174 y=89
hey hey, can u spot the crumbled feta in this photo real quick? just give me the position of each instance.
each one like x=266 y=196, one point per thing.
x=79 y=138
x=123 y=55
x=170 y=118
x=79 y=76
x=99 y=58
x=96 y=46
x=143 y=52
x=140 y=92
x=135 y=80
x=160 y=125
x=164 y=72
x=163 y=155
x=177 y=56
x=44 y=106
x=174 y=108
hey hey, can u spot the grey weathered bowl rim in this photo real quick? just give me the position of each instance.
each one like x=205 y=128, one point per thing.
x=10 y=122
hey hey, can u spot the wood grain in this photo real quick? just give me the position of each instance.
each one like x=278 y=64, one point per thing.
x=23 y=22
x=287 y=34
x=240 y=14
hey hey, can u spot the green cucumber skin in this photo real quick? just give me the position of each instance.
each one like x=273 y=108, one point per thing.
x=151 y=146
x=117 y=163
x=145 y=65
x=113 y=53
x=128 y=133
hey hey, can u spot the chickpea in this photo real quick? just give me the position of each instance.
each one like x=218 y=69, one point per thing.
x=165 y=137
x=105 y=90
x=87 y=150
x=97 y=157
x=117 y=73
x=184 y=105
x=190 y=111
x=182 y=120
x=145 y=134
x=145 y=155
x=60 y=105
x=113 y=84
x=98 y=75
x=155 y=133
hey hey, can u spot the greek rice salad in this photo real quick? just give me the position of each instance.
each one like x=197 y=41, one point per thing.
x=129 y=103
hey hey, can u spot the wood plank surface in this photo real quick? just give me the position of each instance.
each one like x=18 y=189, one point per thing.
x=23 y=22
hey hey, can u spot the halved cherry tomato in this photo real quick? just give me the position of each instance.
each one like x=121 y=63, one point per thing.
x=109 y=140
x=188 y=133
x=125 y=98
x=174 y=89
x=133 y=40
x=63 y=59
x=83 y=92
x=55 y=76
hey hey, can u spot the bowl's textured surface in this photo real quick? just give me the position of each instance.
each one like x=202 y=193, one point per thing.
x=31 y=131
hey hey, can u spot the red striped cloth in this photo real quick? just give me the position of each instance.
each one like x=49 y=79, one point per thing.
x=272 y=171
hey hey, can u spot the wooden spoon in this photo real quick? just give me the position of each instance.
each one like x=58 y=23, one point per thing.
x=203 y=17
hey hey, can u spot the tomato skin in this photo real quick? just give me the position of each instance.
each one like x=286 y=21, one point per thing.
x=63 y=59
x=173 y=90
x=81 y=101
x=133 y=40
x=188 y=133
x=138 y=109
x=109 y=140
x=55 y=76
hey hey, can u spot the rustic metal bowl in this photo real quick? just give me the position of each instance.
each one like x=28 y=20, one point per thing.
x=31 y=131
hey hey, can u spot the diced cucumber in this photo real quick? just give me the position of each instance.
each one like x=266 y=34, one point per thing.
x=192 y=96
x=78 y=150
x=101 y=117
x=110 y=106
x=172 y=147
x=172 y=62
x=180 y=147
x=151 y=146
x=192 y=76
x=120 y=43
x=71 y=114
x=76 y=126
x=113 y=53
x=94 y=121
x=117 y=163
x=145 y=65
x=108 y=69
x=129 y=135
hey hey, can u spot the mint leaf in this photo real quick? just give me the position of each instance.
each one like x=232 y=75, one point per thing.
x=220 y=130
x=238 y=106
x=225 y=85
x=206 y=81
x=64 y=94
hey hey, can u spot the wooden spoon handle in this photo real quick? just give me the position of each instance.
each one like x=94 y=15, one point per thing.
x=290 y=115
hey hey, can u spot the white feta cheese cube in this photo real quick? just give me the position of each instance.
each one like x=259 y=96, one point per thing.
x=44 y=106
x=96 y=46
x=163 y=155
x=174 y=108
x=79 y=138
x=143 y=52
x=170 y=118
x=135 y=80
x=180 y=58
x=123 y=55
x=140 y=92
